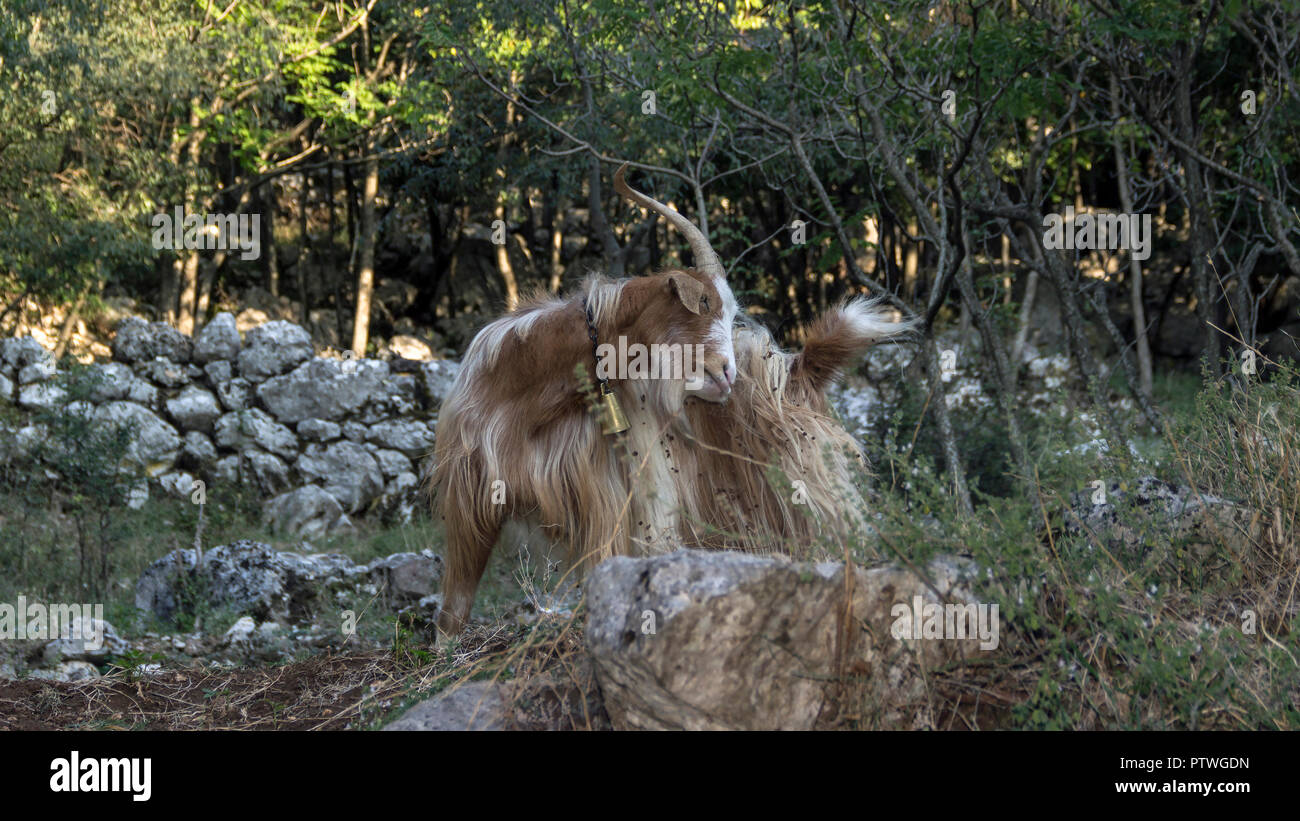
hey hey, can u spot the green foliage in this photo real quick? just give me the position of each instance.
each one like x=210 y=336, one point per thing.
x=84 y=461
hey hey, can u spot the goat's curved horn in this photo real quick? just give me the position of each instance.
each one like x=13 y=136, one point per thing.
x=706 y=259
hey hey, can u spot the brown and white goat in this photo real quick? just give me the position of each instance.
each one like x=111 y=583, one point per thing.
x=779 y=419
x=516 y=438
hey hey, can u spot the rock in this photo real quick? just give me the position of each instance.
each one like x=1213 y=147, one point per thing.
x=164 y=372
x=177 y=483
x=308 y=512
x=322 y=389
x=408 y=347
x=226 y=469
x=354 y=432
x=241 y=632
x=407 y=577
x=239 y=430
x=199 y=451
x=251 y=578
x=219 y=339
x=472 y=705
x=391 y=462
x=409 y=436
x=542 y=701
x=140 y=341
x=400 y=498
x=156 y=444
x=78 y=671
x=194 y=409
x=1153 y=514
x=85 y=639
x=272 y=349
x=218 y=372
x=438 y=377
x=349 y=473
x=269 y=472
x=113 y=380
x=6 y=388
x=28 y=439
x=424 y=612
x=318 y=430
x=38 y=372
x=395 y=397
x=41 y=396
x=727 y=640
x=137 y=494
x=19 y=352
x=234 y=394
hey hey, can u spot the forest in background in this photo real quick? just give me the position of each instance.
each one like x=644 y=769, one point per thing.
x=415 y=167
x=1110 y=433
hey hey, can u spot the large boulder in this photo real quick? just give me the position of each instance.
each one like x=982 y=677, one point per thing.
x=248 y=576
x=140 y=341
x=276 y=586
x=219 y=339
x=272 y=349
x=725 y=640
x=322 y=389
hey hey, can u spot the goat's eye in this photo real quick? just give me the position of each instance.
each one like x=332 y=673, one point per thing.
x=704 y=302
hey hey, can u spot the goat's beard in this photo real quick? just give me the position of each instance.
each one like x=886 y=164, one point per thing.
x=727 y=453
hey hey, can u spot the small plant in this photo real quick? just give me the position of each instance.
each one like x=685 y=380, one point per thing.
x=132 y=663
x=88 y=461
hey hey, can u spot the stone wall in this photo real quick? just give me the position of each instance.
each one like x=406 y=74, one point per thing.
x=322 y=439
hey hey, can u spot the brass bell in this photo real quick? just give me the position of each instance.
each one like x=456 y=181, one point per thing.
x=612 y=420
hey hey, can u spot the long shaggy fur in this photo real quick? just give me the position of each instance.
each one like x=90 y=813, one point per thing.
x=516 y=439
x=773 y=468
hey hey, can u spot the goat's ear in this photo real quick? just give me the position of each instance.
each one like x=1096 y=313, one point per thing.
x=689 y=290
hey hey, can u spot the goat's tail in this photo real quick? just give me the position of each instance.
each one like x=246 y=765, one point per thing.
x=841 y=335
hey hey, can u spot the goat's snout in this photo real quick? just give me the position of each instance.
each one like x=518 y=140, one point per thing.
x=713 y=381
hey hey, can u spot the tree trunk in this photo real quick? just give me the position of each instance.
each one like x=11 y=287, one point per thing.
x=1198 y=234
x=304 y=248
x=271 y=265
x=366 y=266
x=189 y=273
x=1134 y=265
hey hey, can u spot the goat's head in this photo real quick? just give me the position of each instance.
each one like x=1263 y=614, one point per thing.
x=701 y=314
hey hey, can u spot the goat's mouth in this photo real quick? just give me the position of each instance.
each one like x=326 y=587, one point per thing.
x=710 y=386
